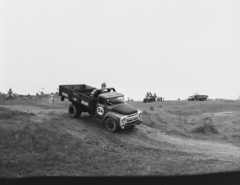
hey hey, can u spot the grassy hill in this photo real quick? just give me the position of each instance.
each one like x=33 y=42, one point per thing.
x=212 y=120
x=39 y=139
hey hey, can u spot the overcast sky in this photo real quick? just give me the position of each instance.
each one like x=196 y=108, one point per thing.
x=174 y=48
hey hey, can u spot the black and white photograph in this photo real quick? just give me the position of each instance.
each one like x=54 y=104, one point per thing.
x=104 y=89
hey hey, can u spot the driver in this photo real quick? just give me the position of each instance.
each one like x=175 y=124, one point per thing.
x=103 y=87
x=96 y=92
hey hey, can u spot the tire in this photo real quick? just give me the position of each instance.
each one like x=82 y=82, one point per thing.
x=74 y=111
x=111 y=125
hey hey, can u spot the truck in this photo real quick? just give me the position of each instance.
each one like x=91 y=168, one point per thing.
x=149 y=99
x=197 y=97
x=107 y=106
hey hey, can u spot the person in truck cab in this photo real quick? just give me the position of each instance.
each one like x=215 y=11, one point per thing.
x=103 y=87
x=96 y=92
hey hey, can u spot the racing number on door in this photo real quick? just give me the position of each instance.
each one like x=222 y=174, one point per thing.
x=100 y=111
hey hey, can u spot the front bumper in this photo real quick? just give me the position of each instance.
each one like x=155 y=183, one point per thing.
x=134 y=123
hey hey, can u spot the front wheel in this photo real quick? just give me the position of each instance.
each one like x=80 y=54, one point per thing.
x=111 y=125
x=74 y=111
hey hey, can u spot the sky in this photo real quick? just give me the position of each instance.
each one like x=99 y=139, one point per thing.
x=172 y=48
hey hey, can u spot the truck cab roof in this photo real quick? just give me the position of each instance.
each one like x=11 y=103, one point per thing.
x=110 y=95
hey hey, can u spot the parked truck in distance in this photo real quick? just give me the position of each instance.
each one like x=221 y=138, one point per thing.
x=150 y=98
x=197 y=97
x=108 y=106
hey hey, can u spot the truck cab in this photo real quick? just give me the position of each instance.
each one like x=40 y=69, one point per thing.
x=112 y=110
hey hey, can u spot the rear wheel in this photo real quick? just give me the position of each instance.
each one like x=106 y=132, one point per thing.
x=111 y=125
x=74 y=111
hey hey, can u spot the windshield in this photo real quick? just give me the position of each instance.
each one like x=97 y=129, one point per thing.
x=114 y=101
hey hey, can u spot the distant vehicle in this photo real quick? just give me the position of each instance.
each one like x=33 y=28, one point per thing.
x=197 y=97
x=109 y=107
x=149 y=99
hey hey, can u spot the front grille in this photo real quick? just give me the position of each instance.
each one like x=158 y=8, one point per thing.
x=131 y=123
x=133 y=118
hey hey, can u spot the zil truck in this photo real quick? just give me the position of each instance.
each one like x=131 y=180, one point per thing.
x=197 y=97
x=108 y=106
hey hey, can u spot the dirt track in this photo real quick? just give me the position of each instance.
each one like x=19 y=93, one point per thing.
x=129 y=142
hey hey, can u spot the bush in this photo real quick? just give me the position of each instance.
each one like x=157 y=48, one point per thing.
x=207 y=127
x=151 y=108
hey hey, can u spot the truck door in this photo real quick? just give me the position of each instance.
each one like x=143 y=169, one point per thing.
x=101 y=108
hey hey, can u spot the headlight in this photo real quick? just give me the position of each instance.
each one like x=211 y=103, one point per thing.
x=124 y=121
x=140 y=116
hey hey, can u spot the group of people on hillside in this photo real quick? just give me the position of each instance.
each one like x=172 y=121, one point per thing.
x=149 y=94
x=51 y=98
x=160 y=99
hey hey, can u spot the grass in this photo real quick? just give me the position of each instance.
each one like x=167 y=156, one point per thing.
x=188 y=119
x=30 y=148
x=207 y=127
x=151 y=108
x=43 y=103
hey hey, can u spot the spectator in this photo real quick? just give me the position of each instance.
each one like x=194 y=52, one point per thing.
x=10 y=92
x=51 y=100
